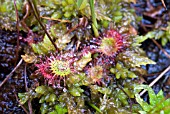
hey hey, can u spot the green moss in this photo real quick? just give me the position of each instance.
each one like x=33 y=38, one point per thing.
x=43 y=47
x=7 y=14
x=122 y=72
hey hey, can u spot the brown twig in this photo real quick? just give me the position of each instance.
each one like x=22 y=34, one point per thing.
x=153 y=74
x=17 y=26
x=21 y=104
x=156 y=79
x=72 y=29
x=163 y=4
x=26 y=88
x=63 y=21
x=10 y=74
x=162 y=28
x=30 y=106
x=159 y=46
x=150 y=26
x=149 y=5
x=35 y=12
x=27 y=13
x=25 y=77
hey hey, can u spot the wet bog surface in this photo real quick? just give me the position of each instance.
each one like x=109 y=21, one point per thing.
x=162 y=62
x=16 y=83
x=8 y=92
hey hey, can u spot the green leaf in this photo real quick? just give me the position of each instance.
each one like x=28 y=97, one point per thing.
x=133 y=59
x=53 y=112
x=23 y=97
x=158 y=104
x=44 y=108
x=53 y=97
x=75 y=91
x=157 y=34
x=122 y=72
x=142 y=112
x=41 y=90
x=81 y=4
x=101 y=16
x=160 y=96
x=143 y=104
x=60 y=109
x=152 y=96
x=42 y=100
x=162 y=106
x=102 y=90
x=43 y=47
x=138 y=40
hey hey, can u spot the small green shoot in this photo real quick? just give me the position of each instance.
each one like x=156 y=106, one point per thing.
x=94 y=21
x=158 y=104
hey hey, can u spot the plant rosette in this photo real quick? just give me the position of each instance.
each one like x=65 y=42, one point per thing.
x=109 y=45
x=55 y=68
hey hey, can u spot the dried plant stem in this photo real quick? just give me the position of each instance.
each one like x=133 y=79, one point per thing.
x=25 y=77
x=59 y=20
x=163 y=4
x=21 y=104
x=35 y=12
x=10 y=74
x=17 y=27
x=156 y=79
x=159 y=46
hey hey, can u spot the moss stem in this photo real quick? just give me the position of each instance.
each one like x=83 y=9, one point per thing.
x=95 y=107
